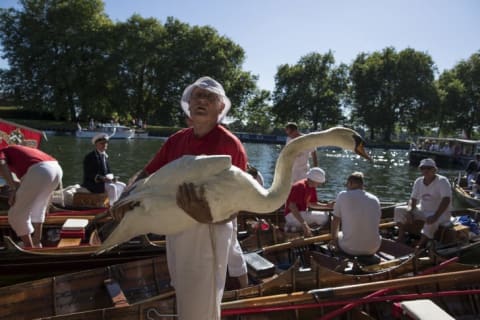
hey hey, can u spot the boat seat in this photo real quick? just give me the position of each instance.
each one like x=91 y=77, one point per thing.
x=116 y=293
x=423 y=309
x=69 y=242
x=258 y=266
x=72 y=232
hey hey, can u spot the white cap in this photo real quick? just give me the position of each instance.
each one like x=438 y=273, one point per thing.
x=428 y=162
x=316 y=174
x=211 y=85
x=100 y=136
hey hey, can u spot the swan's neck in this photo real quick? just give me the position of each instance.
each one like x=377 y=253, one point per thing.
x=281 y=184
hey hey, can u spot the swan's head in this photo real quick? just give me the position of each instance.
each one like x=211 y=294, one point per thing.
x=345 y=138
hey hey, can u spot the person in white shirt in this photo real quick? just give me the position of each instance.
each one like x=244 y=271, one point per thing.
x=301 y=164
x=359 y=214
x=430 y=201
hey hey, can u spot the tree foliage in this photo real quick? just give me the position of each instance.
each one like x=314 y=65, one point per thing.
x=390 y=88
x=310 y=91
x=460 y=91
x=67 y=57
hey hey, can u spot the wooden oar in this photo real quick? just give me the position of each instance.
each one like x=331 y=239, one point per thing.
x=351 y=290
x=306 y=241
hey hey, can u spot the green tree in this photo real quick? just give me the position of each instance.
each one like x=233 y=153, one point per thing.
x=54 y=62
x=310 y=91
x=390 y=88
x=460 y=92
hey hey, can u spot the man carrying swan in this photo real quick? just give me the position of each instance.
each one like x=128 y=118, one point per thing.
x=197 y=257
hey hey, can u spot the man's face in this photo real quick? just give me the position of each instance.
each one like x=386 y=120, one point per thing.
x=101 y=145
x=289 y=132
x=204 y=105
x=428 y=171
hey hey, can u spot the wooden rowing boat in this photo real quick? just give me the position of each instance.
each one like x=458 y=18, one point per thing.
x=463 y=198
x=18 y=264
x=95 y=291
x=454 y=292
x=289 y=305
x=53 y=221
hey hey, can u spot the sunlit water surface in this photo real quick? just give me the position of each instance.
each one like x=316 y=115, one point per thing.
x=389 y=176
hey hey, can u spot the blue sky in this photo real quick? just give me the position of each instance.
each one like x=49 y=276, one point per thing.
x=275 y=32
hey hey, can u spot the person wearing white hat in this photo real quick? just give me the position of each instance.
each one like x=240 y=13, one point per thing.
x=97 y=175
x=358 y=212
x=198 y=258
x=303 y=198
x=430 y=202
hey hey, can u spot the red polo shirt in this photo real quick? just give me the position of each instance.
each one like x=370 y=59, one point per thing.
x=219 y=141
x=20 y=158
x=301 y=194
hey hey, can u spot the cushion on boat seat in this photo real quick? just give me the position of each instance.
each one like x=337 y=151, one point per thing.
x=90 y=200
x=258 y=266
x=423 y=309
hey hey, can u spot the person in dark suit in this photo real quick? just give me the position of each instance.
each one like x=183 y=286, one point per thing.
x=97 y=175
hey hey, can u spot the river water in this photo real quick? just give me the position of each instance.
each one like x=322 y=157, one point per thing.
x=389 y=177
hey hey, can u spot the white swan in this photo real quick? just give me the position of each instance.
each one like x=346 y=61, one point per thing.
x=228 y=189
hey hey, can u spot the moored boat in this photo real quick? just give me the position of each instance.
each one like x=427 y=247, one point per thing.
x=464 y=198
x=447 y=152
x=91 y=294
x=18 y=264
x=115 y=131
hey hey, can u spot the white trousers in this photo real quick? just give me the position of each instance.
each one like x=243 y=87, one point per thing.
x=114 y=191
x=237 y=265
x=400 y=215
x=311 y=217
x=33 y=196
x=197 y=262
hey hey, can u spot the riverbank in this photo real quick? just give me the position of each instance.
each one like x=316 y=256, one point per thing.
x=69 y=128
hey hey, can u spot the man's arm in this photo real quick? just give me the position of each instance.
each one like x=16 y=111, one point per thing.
x=321 y=206
x=296 y=213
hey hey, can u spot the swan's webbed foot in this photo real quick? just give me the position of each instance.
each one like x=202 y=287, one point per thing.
x=193 y=203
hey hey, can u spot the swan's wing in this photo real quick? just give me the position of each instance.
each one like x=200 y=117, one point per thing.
x=167 y=179
x=189 y=168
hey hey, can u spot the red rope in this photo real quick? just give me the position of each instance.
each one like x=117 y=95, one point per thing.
x=381 y=292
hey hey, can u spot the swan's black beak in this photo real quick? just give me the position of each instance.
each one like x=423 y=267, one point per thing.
x=360 y=148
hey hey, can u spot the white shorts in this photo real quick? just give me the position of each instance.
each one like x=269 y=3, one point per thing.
x=400 y=216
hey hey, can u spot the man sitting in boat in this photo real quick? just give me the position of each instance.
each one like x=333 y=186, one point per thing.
x=359 y=213
x=97 y=176
x=303 y=196
x=430 y=201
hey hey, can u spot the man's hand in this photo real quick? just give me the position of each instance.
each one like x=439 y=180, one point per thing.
x=307 y=232
x=195 y=205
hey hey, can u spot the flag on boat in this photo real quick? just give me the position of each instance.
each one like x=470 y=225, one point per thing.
x=14 y=133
